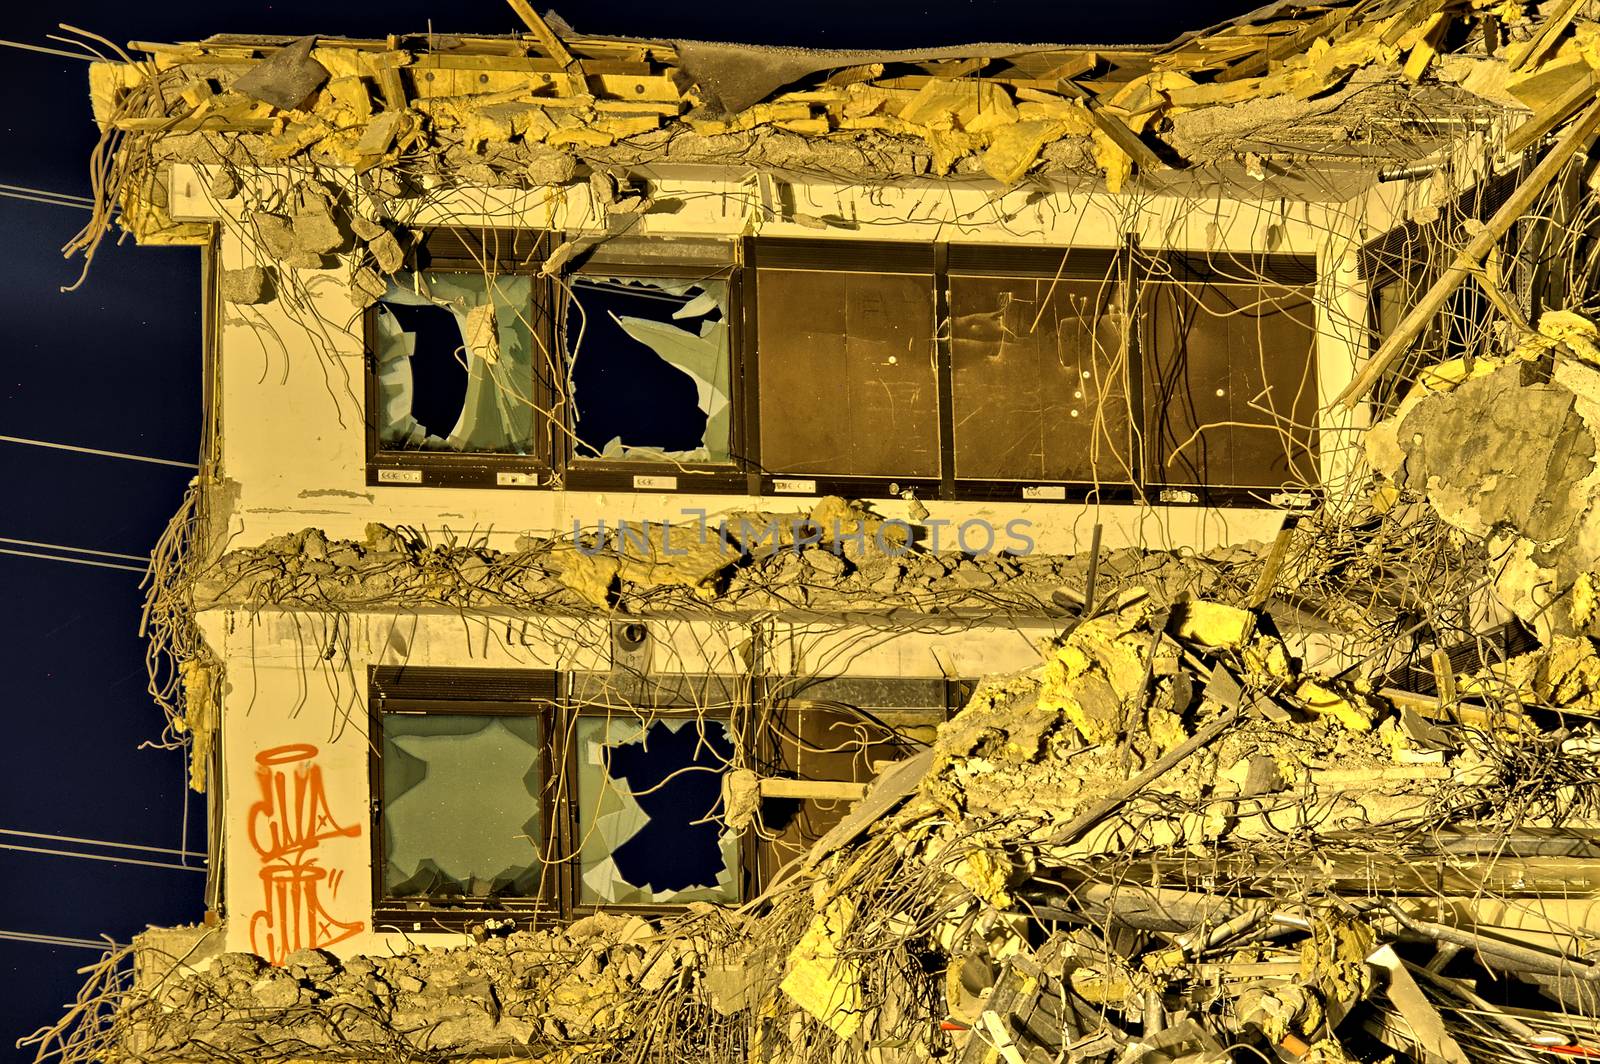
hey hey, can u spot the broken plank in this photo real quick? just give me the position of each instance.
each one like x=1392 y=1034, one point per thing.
x=1408 y=19
x=1444 y=677
x=1269 y=571
x=1417 y=319
x=541 y=32
x=896 y=783
x=1113 y=127
x=1541 y=41
x=1554 y=113
x=1280 y=50
x=1426 y=1026
x=812 y=790
x=1075 y=67
x=1425 y=50
x=1097 y=812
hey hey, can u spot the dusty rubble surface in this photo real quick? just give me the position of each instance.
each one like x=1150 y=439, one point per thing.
x=1261 y=96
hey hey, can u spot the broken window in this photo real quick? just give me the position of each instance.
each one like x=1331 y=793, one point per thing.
x=1400 y=266
x=848 y=385
x=1037 y=379
x=649 y=817
x=650 y=375
x=490 y=797
x=1231 y=373
x=460 y=799
x=841 y=729
x=460 y=788
x=455 y=356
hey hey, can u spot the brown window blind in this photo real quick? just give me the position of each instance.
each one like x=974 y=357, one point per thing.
x=1231 y=374
x=1038 y=383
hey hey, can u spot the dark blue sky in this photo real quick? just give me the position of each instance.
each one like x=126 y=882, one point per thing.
x=116 y=366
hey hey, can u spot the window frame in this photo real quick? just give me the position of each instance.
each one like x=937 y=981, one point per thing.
x=421 y=691
x=1076 y=263
x=1282 y=269
x=450 y=249
x=740 y=263
x=820 y=255
x=745 y=876
x=559 y=699
x=711 y=478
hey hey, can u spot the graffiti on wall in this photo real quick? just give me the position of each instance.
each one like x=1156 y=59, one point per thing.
x=288 y=825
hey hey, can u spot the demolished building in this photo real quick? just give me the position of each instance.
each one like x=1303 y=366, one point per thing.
x=1000 y=553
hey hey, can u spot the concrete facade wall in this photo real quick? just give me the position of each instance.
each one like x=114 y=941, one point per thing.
x=297 y=841
x=295 y=744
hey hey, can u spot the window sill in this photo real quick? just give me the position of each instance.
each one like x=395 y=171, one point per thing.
x=667 y=477
x=430 y=469
x=447 y=920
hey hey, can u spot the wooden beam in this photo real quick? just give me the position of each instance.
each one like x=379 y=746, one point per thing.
x=1471 y=256
x=1408 y=19
x=1112 y=126
x=542 y=32
x=820 y=790
x=1269 y=571
x=1541 y=41
x=1554 y=113
x=1283 y=49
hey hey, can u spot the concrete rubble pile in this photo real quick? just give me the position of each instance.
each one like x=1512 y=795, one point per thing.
x=556 y=109
x=1172 y=837
x=755 y=562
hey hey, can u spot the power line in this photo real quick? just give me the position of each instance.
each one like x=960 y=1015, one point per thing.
x=76 y=550
x=47 y=51
x=99 y=842
x=98 y=857
x=97 y=451
x=75 y=561
x=65 y=199
x=60 y=940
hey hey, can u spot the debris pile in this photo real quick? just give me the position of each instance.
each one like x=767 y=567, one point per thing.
x=1342 y=84
x=744 y=562
x=1172 y=837
x=1333 y=798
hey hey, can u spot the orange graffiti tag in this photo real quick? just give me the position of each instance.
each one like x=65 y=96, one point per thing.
x=286 y=826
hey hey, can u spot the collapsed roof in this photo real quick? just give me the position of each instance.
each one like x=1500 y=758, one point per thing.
x=1306 y=98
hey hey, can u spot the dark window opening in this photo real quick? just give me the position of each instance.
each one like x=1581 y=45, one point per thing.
x=651 y=374
x=1402 y=265
x=649 y=816
x=455 y=363
x=433 y=375
x=1038 y=379
x=1231 y=382
x=848 y=380
x=845 y=729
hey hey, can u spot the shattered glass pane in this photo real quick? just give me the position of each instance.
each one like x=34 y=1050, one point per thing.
x=455 y=363
x=847 y=374
x=461 y=805
x=651 y=374
x=1231 y=385
x=650 y=824
x=1037 y=380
